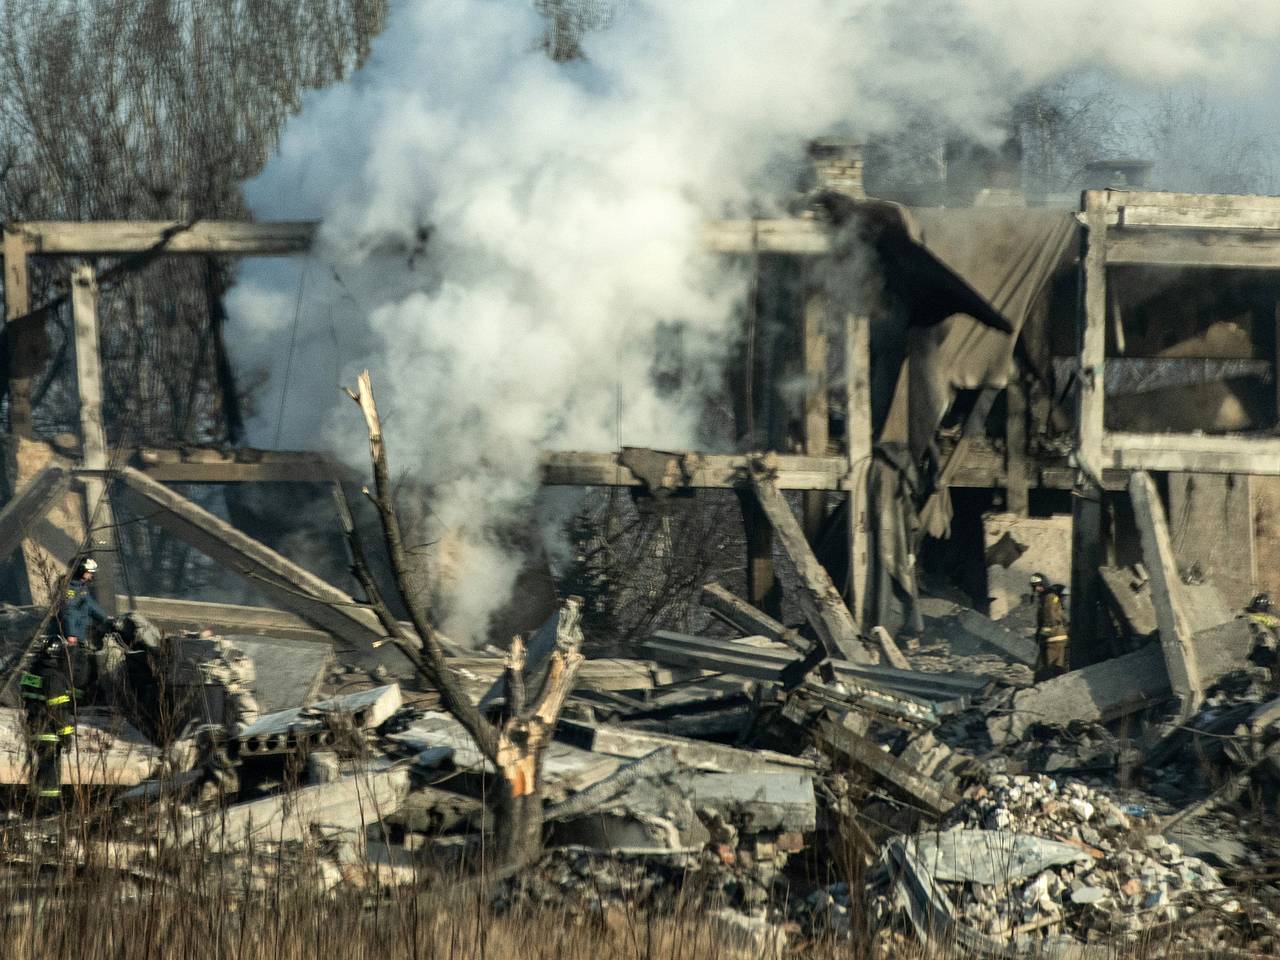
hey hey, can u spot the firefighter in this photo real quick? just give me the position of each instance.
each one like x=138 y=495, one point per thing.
x=79 y=613
x=1051 y=628
x=48 y=698
x=1266 y=634
x=60 y=673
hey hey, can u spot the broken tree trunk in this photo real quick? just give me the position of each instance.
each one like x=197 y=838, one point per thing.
x=516 y=744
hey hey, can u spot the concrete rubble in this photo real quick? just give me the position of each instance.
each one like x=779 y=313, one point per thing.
x=974 y=806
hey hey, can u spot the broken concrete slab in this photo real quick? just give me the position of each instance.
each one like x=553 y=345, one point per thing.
x=963 y=625
x=1106 y=691
x=1127 y=589
x=565 y=768
x=626 y=833
x=287 y=673
x=775 y=801
x=280 y=732
x=106 y=751
x=695 y=754
x=349 y=804
x=990 y=857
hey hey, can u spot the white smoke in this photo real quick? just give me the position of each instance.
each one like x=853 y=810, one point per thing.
x=563 y=204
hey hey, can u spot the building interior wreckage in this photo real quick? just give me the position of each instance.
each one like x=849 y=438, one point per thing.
x=975 y=588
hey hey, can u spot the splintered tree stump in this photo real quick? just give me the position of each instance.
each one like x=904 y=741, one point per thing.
x=514 y=745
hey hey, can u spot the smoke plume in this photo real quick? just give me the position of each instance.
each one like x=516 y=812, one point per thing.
x=543 y=218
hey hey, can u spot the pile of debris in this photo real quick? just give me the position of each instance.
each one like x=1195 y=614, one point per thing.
x=730 y=769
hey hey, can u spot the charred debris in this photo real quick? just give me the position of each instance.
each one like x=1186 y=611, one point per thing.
x=864 y=737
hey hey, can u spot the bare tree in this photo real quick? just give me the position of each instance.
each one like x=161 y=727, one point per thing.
x=156 y=110
x=514 y=745
x=1198 y=145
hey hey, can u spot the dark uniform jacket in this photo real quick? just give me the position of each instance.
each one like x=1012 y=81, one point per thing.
x=78 y=611
x=1051 y=621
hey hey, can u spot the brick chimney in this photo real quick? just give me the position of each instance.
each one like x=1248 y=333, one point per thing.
x=837 y=166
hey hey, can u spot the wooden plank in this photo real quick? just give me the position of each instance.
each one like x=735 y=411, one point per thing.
x=816 y=416
x=239 y=466
x=99 y=517
x=1247 y=251
x=699 y=470
x=286 y=583
x=1092 y=334
x=117 y=237
x=1015 y=440
x=1192 y=453
x=858 y=452
x=31 y=503
x=749 y=619
x=25 y=341
x=767 y=236
x=1166 y=594
x=821 y=602
x=1140 y=208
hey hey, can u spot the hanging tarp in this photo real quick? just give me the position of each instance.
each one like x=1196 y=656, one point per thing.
x=1005 y=254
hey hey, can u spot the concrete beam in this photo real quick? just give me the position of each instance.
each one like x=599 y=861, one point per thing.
x=1166 y=594
x=29 y=504
x=821 y=602
x=355 y=626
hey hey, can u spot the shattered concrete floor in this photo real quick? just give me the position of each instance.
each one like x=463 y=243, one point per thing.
x=800 y=805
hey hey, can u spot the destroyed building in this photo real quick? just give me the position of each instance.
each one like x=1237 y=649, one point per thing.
x=993 y=386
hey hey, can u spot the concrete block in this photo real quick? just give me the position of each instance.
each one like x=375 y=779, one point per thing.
x=349 y=804
x=781 y=801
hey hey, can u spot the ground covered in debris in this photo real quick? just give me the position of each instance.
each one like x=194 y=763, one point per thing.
x=726 y=794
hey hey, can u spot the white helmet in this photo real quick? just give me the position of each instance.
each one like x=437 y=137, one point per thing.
x=90 y=565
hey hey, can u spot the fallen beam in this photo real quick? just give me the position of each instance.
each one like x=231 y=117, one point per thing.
x=286 y=583
x=696 y=754
x=852 y=748
x=821 y=602
x=1166 y=594
x=768 y=663
x=119 y=237
x=748 y=619
x=1116 y=688
x=29 y=505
